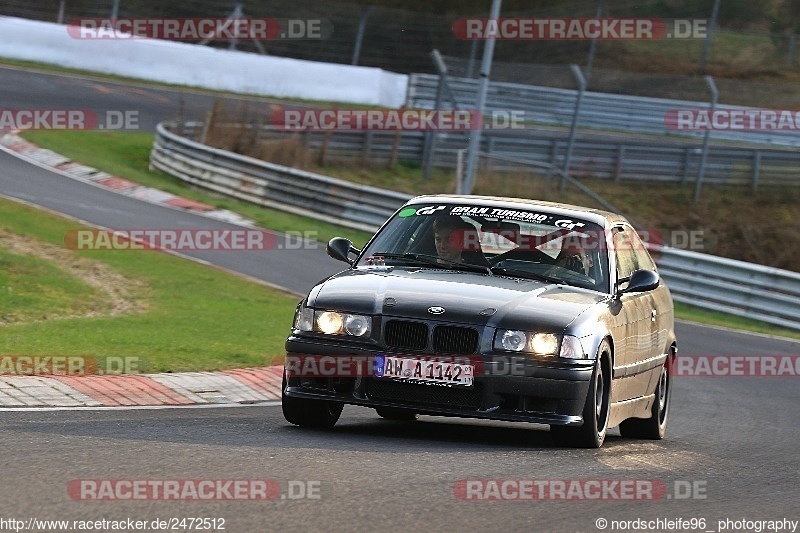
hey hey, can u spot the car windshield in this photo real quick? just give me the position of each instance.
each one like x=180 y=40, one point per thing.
x=519 y=242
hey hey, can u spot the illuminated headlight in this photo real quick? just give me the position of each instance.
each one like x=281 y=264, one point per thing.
x=304 y=319
x=571 y=348
x=521 y=341
x=333 y=323
x=544 y=344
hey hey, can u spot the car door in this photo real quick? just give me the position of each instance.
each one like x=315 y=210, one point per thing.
x=661 y=317
x=636 y=308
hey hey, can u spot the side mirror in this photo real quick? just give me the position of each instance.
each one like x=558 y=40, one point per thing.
x=339 y=248
x=642 y=281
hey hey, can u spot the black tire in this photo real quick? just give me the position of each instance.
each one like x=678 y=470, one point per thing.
x=310 y=413
x=396 y=414
x=592 y=433
x=655 y=427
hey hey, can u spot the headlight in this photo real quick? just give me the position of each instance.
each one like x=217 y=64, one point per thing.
x=571 y=348
x=511 y=340
x=304 y=319
x=356 y=325
x=544 y=344
x=334 y=323
x=520 y=341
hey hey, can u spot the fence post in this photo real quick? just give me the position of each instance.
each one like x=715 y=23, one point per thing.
x=362 y=24
x=756 y=168
x=429 y=148
x=483 y=89
x=574 y=126
x=710 y=30
x=701 y=172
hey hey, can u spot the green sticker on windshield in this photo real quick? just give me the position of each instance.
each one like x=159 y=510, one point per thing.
x=407 y=212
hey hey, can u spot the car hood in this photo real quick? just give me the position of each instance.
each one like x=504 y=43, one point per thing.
x=468 y=298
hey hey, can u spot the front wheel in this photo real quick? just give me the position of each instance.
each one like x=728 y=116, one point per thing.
x=592 y=433
x=655 y=427
x=310 y=413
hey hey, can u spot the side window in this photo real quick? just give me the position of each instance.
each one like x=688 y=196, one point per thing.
x=643 y=259
x=624 y=252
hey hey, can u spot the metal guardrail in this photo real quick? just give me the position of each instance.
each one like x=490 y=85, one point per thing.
x=768 y=294
x=602 y=111
x=270 y=185
x=601 y=159
x=761 y=293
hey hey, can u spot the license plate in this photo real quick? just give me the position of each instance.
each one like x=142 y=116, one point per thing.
x=429 y=372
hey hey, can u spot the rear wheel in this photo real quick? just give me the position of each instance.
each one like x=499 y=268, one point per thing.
x=310 y=413
x=655 y=427
x=396 y=414
x=592 y=433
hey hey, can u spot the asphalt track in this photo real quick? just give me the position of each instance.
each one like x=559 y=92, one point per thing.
x=733 y=438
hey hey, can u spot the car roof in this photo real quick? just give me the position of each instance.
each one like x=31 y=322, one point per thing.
x=598 y=216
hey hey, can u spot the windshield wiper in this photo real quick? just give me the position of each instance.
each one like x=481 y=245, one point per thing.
x=433 y=260
x=527 y=275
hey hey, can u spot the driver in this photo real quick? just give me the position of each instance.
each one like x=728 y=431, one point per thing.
x=456 y=240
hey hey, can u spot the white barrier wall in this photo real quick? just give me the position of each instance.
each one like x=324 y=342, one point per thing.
x=201 y=66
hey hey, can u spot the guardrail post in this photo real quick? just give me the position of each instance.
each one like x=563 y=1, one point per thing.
x=367 y=146
x=620 y=158
x=548 y=177
x=323 y=151
x=395 y=146
x=687 y=160
x=459 y=169
x=756 y=168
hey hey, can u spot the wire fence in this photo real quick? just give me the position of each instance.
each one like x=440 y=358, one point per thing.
x=399 y=39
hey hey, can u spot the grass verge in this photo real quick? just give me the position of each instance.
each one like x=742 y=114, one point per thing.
x=191 y=317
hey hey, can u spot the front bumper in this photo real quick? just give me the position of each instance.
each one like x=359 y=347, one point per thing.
x=546 y=392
